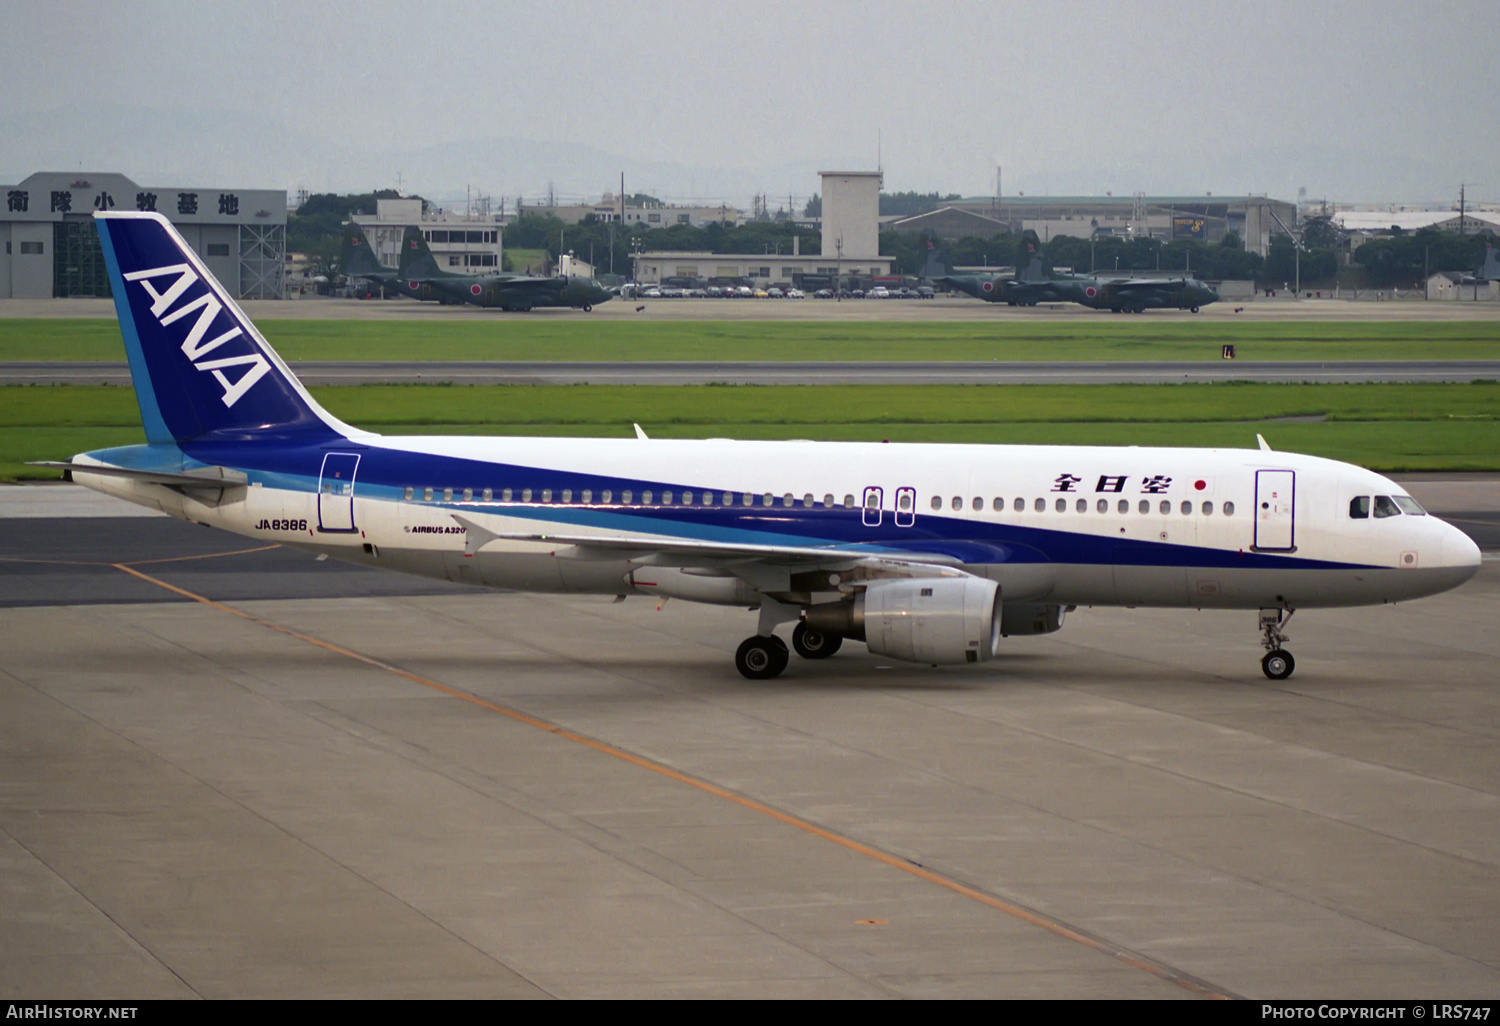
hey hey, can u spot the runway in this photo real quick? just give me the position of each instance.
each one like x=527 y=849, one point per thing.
x=246 y=773
x=776 y=373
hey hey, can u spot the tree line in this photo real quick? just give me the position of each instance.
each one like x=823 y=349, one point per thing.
x=1401 y=259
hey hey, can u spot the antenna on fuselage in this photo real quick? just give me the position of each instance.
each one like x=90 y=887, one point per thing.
x=1259 y=438
x=641 y=434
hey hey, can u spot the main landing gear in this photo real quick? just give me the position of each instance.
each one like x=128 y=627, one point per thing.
x=1278 y=663
x=811 y=644
x=765 y=655
x=761 y=658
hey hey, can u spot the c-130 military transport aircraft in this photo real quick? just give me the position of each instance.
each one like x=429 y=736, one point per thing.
x=927 y=553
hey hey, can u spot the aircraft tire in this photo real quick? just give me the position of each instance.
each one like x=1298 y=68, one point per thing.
x=814 y=644
x=1193 y=308
x=761 y=658
x=587 y=308
x=1278 y=664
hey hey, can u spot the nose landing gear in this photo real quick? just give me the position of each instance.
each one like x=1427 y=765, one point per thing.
x=1278 y=663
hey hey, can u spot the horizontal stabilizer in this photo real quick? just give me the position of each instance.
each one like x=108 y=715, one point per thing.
x=209 y=477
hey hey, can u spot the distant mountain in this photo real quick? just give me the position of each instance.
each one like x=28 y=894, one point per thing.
x=172 y=147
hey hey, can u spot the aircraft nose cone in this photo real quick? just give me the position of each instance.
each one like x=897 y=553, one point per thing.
x=1460 y=552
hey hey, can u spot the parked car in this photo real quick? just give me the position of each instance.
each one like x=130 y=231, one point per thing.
x=774 y=293
x=878 y=292
x=795 y=294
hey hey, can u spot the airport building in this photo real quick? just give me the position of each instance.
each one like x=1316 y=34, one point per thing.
x=1364 y=225
x=850 y=243
x=652 y=215
x=1202 y=218
x=51 y=248
x=462 y=243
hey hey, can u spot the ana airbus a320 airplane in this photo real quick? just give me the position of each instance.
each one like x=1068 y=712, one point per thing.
x=928 y=553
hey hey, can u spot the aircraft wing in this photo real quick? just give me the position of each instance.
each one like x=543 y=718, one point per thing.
x=942 y=557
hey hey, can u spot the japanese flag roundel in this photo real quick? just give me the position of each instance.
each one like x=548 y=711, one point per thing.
x=474 y=290
x=1091 y=292
x=988 y=286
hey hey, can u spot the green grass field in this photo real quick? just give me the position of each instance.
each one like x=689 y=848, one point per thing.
x=1386 y=427
x=586 y=339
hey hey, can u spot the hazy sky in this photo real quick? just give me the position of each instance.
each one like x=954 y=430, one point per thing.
x=1380 y=100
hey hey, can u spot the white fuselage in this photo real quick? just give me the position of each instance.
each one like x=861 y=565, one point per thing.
x=1066 y=525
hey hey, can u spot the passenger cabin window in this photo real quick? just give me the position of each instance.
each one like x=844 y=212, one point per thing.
x=447 y=494
x=937 y=502
x=426 y=494
x=625 y=497
x=1102 y=505
x=1082 y=505
x=646 y=498
x=567 y=495
x=525 y=494
x=505 y=494
x=1019 y=505
x=1384 y=507
x=1124 y=506
x=1061 y=505
x=848 y=501
x=1145 y=506
x=828 y=501
x=587 y=496
x=1040 y=505
x=957 y=502
x=468 y=495
x=1359 y=507
x=489 y=494
x=606 y=496
x=410 y=493
x=976 y=504
x=1229 y=509
x=999 y=505
x=1166 y=507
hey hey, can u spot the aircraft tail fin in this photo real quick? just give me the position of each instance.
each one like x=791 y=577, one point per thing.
x=936 y=265
x=1031 y=246
x=198 y=364
x=357 y=259
x=417 y=260
x=1490 y=269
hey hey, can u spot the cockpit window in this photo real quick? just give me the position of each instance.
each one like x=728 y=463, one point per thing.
x=1409 y=506
x=1359 y=507
x=1384 y=507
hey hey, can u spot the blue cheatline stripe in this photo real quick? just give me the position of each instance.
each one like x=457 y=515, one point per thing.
x=145 y=393
x=384 y=474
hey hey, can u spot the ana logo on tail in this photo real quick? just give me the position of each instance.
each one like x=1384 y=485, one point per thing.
x=194 y=345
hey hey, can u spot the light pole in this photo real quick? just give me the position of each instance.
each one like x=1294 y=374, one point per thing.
x=838 y=271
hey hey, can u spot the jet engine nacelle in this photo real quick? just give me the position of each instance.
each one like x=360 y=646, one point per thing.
x=923 y=620
x=1031 y=618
